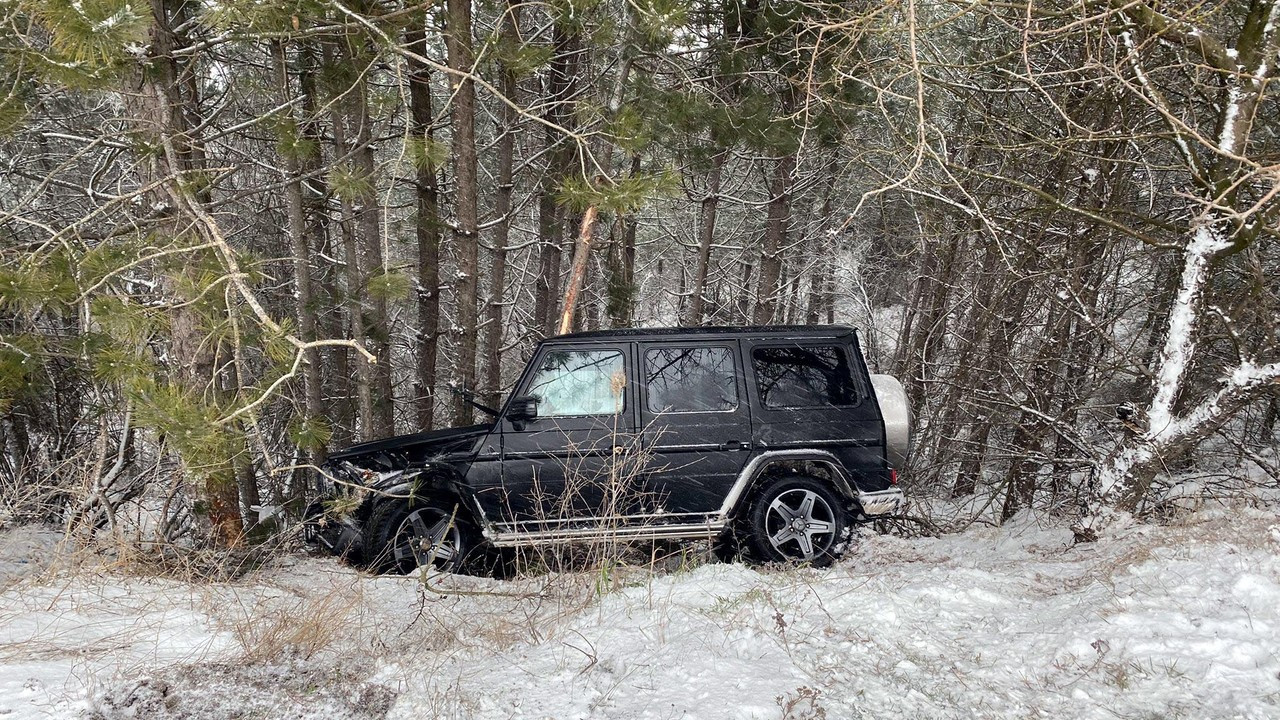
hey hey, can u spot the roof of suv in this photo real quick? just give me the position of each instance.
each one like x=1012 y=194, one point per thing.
x=761 y=331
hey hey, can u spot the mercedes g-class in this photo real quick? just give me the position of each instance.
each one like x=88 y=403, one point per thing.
x=773 y=441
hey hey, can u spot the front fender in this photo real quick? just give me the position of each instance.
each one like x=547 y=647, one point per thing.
x=420 y=482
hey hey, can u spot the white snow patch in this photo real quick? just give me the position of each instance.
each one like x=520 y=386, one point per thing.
x=1011 y=622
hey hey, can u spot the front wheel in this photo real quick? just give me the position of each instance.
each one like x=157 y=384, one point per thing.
x=412 y=535
x=798 y=519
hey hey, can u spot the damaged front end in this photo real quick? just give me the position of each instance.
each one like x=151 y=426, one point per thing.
x=355 y=479
x=336 y=519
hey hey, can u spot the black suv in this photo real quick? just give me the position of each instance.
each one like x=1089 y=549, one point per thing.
x=769 y=440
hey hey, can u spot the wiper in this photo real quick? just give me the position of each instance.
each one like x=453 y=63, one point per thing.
x=469 y=397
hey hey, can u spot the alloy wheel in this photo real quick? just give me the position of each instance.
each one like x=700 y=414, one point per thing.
x=800 y=524
x=428 y=537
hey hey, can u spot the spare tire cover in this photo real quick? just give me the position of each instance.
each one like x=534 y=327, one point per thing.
x=896 y=411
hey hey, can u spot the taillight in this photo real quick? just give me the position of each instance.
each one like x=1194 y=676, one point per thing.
x=893 y=476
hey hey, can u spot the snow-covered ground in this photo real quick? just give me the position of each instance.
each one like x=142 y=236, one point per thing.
x=1180 y=620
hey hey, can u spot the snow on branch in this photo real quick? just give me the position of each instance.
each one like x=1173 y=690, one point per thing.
x=1184 y=318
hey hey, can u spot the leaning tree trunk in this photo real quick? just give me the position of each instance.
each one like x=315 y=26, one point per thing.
x=1231 y=222
x=578 y=270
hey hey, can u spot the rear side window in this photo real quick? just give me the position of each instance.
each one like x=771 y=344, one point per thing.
x=690 y=380
x=804 y=377
x=579 y=382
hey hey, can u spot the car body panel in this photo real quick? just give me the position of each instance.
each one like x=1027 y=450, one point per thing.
x=695 y=453
x=415 y=449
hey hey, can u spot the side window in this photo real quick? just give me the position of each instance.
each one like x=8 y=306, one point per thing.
x=579 y=382
x=800 y=377
x=690 y=380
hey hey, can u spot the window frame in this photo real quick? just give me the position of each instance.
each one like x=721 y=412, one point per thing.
x=860 y=393
x=738 y=376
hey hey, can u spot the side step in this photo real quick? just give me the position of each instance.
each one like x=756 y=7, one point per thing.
x=707 y=530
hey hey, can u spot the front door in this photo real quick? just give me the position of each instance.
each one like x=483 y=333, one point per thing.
x=570 y=462
x=696 y=423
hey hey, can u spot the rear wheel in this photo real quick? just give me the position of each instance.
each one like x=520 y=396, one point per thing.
x=798 y=519
x=410 y=535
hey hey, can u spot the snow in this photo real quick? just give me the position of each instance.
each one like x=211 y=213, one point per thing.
x=25 y=550
x=1181 y=620
x=1180 y=341
x=122 y=16
x=1227 y=141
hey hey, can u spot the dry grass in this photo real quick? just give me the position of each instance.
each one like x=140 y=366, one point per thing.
x=612 y=491
x=303 y=629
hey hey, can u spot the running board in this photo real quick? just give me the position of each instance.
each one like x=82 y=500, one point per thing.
x=705 y=530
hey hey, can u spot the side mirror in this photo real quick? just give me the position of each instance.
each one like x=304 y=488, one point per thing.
x=523 y=408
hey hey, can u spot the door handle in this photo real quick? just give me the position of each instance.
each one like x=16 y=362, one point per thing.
x=733 y=445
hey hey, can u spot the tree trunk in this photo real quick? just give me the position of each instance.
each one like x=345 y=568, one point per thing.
x=304 y=308
x=501 y=233
x=581 y=253
x=620 y=270
x=550 y=239
x=559 y=95
x=427 y=231
x=706 y=236
x=988 y=381
x=369 y=214
x=465 y=200
x=1123 y=480
x=1029 y=427
x=744 y=293
x=821 y=299
x=1229 y=224
x=158 y=114
x=337 y=387
x=930 y=321
x=775 y=236
x=353 y=267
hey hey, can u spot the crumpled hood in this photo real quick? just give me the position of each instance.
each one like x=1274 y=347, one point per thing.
x=402 y=451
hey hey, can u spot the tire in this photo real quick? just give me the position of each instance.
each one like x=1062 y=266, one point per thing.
x=797 y=520
x=410 y=534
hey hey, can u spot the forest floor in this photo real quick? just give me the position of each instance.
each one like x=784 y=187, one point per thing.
x=1173 y=620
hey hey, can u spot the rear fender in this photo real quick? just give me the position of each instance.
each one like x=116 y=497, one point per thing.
x=775 y=463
